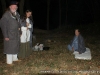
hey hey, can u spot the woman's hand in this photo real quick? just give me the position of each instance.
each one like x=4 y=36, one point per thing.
x=27 y=24
x=27 y=28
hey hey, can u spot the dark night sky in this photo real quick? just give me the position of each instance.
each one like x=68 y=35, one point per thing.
x=78 y=12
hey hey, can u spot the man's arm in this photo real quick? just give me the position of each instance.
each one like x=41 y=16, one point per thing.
x=4 y=27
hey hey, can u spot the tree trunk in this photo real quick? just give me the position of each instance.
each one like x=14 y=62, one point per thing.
x=96 y=11
x=90 y=6
x=48 y=9
x=66 y=12
x=7 y=1
x=59 y=13
x=27 y=4
x=93 y=6
x=21 y=7
x=3 y=3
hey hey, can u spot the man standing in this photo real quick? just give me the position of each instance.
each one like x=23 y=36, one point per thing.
x=10 y=28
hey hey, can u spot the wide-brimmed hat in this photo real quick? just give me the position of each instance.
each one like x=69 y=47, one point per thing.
x=13 y=3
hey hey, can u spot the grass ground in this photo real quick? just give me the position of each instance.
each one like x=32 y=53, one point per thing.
x=57 y=60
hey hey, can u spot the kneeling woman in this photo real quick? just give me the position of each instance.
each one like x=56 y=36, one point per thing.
x=26 y=37
x=77 y=44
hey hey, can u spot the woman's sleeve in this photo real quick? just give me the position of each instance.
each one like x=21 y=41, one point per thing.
x=23 y=25
x=81 y=44
x=30 y=26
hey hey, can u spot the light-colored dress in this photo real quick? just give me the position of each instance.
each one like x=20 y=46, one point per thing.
x=25 y=49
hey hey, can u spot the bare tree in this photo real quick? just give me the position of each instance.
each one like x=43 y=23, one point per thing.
x=7 y=1
x=3 y=3
x=96 y=11
x=59 y=13
x=48 y=9
x=21 y=7
x=27 y=4
x=66 y=12
x=93 y=6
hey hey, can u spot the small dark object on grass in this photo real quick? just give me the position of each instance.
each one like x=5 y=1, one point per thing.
x=46 y=48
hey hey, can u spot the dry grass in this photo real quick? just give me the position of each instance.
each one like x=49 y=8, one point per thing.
x=56 y=61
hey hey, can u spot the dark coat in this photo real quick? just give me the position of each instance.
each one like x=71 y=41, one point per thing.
x=81 y=44
x=10 y=29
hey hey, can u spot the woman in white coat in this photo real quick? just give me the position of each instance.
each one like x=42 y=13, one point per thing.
x=26 y=37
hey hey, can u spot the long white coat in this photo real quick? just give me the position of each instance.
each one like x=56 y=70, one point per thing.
x=25 y=37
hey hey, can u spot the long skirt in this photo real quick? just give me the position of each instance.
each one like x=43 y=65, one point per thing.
x=25 y=50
